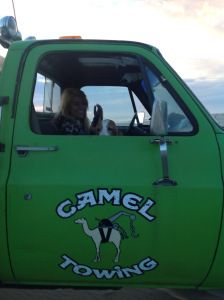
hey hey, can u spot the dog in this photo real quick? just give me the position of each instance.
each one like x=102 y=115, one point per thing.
x=108 y=127
x=102 y=126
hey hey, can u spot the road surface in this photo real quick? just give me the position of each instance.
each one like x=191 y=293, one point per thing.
x=124 y=294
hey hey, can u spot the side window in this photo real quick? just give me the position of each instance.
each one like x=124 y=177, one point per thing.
x=78 y=81
x=46 y=98
x=46 y=101
x=177 y=119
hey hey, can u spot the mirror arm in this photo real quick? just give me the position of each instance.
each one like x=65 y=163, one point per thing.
x=165 y=181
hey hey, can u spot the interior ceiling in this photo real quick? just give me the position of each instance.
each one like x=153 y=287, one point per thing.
x=74 y=69
x=69 y=69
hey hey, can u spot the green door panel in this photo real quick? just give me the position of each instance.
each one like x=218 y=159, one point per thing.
x=170 y=235
x=61 y=202
x=215 y=278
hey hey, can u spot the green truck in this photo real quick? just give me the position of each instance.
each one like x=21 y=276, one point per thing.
x=141 y=208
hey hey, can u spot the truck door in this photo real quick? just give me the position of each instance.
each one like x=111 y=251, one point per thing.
x=96 y=210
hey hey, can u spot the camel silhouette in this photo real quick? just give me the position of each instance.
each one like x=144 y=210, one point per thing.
x=98 y=236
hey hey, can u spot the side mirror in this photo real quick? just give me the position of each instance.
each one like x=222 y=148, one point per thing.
x=159 y=125
x=9 y=31
x=159 y=118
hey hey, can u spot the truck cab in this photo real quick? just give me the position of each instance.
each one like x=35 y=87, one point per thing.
x=139 y=208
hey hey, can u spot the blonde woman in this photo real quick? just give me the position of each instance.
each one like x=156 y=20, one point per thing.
x=72 y=117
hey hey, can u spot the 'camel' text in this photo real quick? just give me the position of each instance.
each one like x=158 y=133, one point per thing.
x=68 y=208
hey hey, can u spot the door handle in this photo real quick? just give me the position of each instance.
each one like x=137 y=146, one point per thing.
x=24 y=150
x=166 y=180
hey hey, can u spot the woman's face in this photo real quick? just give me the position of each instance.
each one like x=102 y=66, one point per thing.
x=78 y=108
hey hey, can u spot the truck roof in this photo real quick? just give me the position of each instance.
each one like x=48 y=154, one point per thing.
x=27 y=43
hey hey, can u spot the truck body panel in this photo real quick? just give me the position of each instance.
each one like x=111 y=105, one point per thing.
x=7 y=81
x=88 y=210
x=215 y=277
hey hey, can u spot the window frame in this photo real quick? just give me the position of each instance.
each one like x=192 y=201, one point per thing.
x=142 y=62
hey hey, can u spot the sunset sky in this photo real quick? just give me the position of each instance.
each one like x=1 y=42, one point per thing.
x=189 y=33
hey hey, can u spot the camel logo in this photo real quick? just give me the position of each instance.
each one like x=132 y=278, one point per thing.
x=108 y=232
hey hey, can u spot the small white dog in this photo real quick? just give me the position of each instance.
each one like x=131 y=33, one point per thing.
x=108 y=127
x=100 y=126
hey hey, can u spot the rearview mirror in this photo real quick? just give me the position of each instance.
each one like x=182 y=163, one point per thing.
x=159 y=123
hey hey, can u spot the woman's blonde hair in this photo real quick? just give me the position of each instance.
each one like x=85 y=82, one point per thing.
x=67 y=98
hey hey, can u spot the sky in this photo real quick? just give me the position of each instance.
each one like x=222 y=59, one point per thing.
x=189 y=33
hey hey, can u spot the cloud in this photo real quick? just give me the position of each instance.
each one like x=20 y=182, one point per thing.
x=210 y=13
x=209 y=69
x=189 y=33
x=209 y=92
x=214 y=69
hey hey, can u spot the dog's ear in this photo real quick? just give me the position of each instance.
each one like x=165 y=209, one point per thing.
x=96 y=124
x=98 y=115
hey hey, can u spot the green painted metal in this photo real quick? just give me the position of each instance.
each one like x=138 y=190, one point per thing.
x=49 y=194
x=215 y=277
